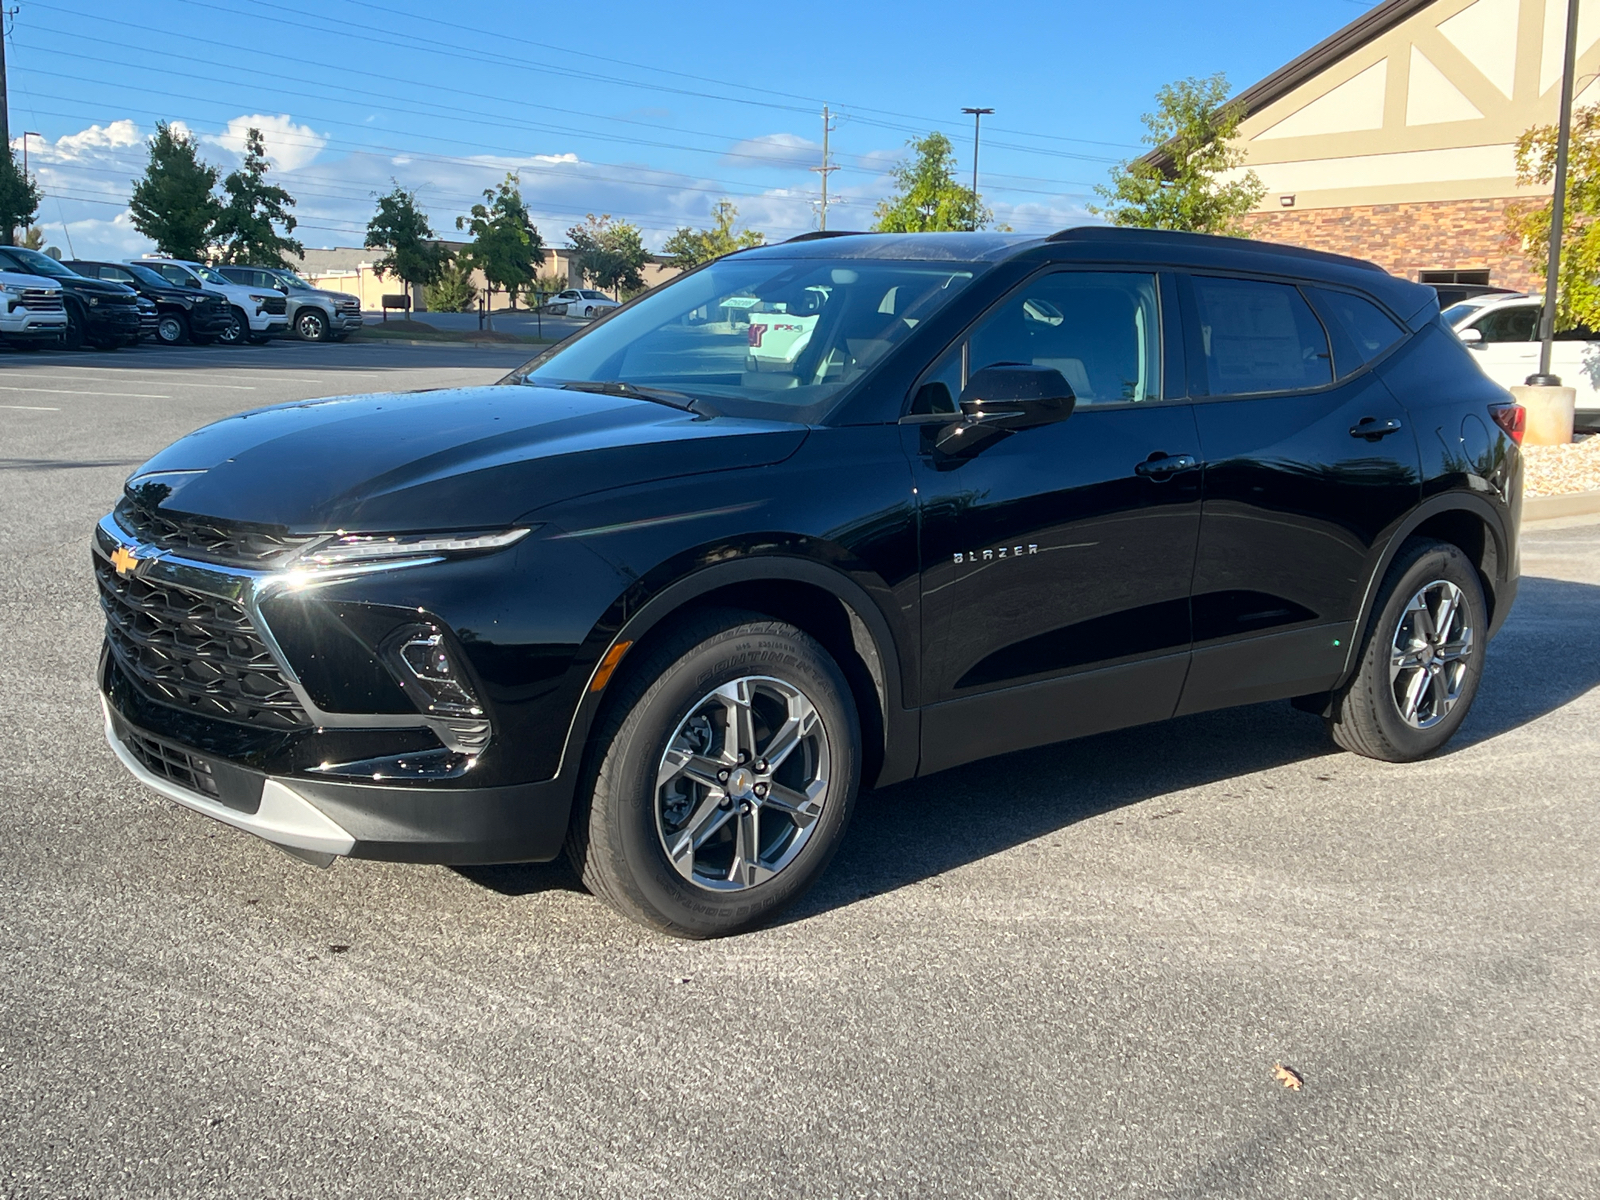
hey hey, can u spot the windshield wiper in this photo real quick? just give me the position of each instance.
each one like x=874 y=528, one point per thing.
x=616 y=387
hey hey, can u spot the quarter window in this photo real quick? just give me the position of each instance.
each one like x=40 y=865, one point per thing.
x=1361 y=330
x=1259 y=337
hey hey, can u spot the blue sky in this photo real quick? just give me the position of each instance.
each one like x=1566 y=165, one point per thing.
x=651 y=112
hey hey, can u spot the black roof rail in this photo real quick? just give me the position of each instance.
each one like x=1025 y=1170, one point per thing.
x=1108 y=233
x=816 y=234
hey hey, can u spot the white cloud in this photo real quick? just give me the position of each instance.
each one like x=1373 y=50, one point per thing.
x=289 y=146
x=774 y=149
x=556 y=158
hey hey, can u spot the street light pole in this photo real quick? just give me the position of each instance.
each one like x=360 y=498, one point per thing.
x=30 y=133
x=978 y=115
x=1558 y=206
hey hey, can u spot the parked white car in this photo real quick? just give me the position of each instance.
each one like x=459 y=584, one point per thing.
x=1503 y=334
x=31 y=311
x=581 y=302
x=259 y=313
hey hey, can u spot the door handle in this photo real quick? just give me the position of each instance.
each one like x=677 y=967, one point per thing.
x=1373 y=429
x=1160 y=466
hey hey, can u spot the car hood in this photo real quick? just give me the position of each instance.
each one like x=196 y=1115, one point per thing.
x=460 y=458
x=84 y=286
x=16 y=279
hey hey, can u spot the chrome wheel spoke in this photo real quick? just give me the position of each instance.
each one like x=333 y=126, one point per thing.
x=1458 y=649
x=802 y=720
x=738 y=733
x=1415 y=687
x=707 y=819
x=1448 y=603
x=747 y=869
x=799 y=807
x=678 y=761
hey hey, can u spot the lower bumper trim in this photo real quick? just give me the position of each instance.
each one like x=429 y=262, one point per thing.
x=284 y=817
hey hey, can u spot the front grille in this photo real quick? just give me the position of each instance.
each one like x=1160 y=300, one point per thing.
x=276 y=305
x=39 y=300
x=195 y=652
x=215 y=541
x=349 y=306
x=128 y=301
x=172 y=763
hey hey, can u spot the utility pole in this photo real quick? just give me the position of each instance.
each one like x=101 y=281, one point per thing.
x=826 y=168
x=6 y=236
x=1558 y=206
x=978 y=115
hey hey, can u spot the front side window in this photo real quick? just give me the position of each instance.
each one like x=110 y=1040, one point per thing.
x=116 y=275
x=1516 y=324
x=761 y=335
x=1259 y=337
x=31 y=262
x=211 y=275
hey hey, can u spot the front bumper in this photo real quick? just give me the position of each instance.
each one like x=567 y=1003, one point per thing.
x=319 y=820
x=111 y=321
x=22 y=325
x=209 y=320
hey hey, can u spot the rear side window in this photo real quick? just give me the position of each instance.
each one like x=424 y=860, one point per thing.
x=1361 y=330
x=1259 y=337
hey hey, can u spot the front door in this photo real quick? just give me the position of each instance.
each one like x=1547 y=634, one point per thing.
x=1057 y=560
x=1310 y=460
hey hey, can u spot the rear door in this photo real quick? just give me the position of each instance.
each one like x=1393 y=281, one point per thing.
x=1057 y=560
x=1309 y=462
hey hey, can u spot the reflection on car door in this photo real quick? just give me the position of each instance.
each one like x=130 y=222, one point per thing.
x=1303 y=476
x=1057 y=560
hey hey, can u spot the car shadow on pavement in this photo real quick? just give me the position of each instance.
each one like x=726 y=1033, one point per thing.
x=922 y=828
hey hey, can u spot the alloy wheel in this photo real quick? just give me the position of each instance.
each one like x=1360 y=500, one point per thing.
x=311 y=326
x=235 y=332
x=1430 y=655
x=742 y=783
x=170 y=330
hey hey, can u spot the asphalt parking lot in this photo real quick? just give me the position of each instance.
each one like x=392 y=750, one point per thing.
x=1064 y=973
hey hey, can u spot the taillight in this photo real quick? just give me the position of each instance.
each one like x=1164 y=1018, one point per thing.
x=1513 y=418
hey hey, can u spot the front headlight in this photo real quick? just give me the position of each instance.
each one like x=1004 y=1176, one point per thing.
x=259 y=299
x=93 y=300
x=351 y=548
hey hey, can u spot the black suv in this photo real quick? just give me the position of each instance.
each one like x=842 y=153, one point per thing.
x=105 y=315
x=182 y=314
x=826 y=514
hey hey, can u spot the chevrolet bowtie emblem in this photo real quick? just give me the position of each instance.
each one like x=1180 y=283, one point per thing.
x=124 y=560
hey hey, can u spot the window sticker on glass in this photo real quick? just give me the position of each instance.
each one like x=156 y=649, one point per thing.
x=741 y=302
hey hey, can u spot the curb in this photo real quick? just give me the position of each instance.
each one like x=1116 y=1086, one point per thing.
x=1549 y=508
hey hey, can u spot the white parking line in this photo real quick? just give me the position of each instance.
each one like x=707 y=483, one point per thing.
x=29 y=408
x=39 y=391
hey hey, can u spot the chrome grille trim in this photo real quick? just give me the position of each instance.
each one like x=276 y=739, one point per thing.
x=209 y=539
x=196 y=652
x=39 y=300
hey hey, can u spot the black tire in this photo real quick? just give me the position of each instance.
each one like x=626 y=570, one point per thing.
x=616 y=841
x=173 y=329
x=311 y=325
x=73 y=338
x=1369 y=714
x=237 y=331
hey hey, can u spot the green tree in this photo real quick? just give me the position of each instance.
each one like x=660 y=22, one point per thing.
x=610 y=254
x=689 y=248
x=927 y=198
x=401 y=228
x=1180 y=185
x=1528 y=222
x=247 y=230
x=451 y=289
x=19 y=197
x=173 y=204
x=505 y=245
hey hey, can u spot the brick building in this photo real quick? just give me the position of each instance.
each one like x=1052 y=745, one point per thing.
x=1394 y=139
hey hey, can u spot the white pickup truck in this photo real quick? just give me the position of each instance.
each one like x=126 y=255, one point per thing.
x=1503 y=334
x=31 y=311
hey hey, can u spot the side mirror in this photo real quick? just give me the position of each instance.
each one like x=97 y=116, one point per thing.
x=1006 y=398
x=1470 y=337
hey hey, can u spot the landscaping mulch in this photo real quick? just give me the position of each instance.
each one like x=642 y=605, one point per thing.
x=1562 y=470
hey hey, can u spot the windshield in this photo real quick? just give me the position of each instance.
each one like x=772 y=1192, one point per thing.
x=34 y=263
x=293 y=281
x=146 y=276
x=1460 y=312
x=210 y=276
x=759 y=336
